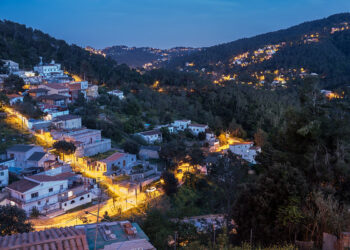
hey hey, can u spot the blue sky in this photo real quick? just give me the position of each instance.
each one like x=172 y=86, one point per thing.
x=163 y=23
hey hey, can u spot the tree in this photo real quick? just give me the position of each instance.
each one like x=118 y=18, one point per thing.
x=34 y=213
x=170 y=183
x=131 y=147
x=13 y=220
x=64 y=147
x=196 y=156
x=260 y=137
x=201 y=136
x=13 y=84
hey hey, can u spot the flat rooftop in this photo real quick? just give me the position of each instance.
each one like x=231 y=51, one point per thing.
x=115 y=228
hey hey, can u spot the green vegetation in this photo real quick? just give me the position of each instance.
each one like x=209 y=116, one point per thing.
x=13 y=220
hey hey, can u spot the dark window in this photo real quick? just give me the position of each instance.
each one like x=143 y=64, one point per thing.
x=61 y=187
x=39 y=202
x=50 y=189
x=81 y=198
x=65 y=204
x=88 y=195
x=72 y=202
x=2 y=173
x=34 y=195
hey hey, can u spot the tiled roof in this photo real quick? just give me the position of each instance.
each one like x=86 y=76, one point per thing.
x=53 y=97
x=22 y=186
x=20 y=148
x=198 y=125
x=242 y=143
x=45 y=178
x=66 y=117
x=36 y=156
x=151 y=132
x=54 y=238
x=57 y=86
x=113 y=157
x=38 y=90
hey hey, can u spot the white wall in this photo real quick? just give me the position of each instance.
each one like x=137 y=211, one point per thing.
x=4 y=177
x=77 y=201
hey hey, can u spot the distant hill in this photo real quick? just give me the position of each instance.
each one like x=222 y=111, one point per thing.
x=146 y=57
x=25 y=45
x=321 y=46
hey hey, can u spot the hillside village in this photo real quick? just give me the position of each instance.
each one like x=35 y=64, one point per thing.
x=50 y=183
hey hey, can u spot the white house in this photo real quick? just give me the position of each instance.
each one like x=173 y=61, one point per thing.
x=21 y=153
x=49 y=69
x=197 y=128
x=4 y=176
x=123 y=161
x=246 y=150
x=50 y=193
x=11 y=65
x=151 y=136
x=181 y=125
x=67 y=122
x=117 y=93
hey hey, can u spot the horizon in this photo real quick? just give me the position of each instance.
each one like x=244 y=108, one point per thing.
x=182 y=24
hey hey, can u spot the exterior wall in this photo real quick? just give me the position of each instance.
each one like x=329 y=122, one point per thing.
x=124 y=163
x=181 y=125
x=4 y=177
x=77 y=201
x=196 y=130
x=119 y=94
x=152 y=138
x=86 y=136
x=245 y=151
x=45 y=197
x=53 y=114
x=94 y=148
x=69 y=124
x=21 y=157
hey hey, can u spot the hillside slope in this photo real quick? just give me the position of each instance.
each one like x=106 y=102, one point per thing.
x=24 y=45
x=320 y=46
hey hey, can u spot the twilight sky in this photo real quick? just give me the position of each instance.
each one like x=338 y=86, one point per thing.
x=163 y=23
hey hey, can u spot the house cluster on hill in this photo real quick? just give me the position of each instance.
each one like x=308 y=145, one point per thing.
x=45 y=182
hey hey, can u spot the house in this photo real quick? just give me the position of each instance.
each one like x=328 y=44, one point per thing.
x=14 y=98
x=10 y=65
x=88 y=141
x=21 y=153
x=55 y=99
x=246 y=150
x=117 y=93
x=181 y=125
x=123 y=161
x=52 y=111
x=39 y=191
x=92 y=91
x=50 y=193
x=55 y=238
x=121 y=235
x=4 y=176
x=149 y=152
x=67 y=122
x=75 y=89
x=49 y=69
x=38 y=159
x=151 y=136
x=56 y=88
x=197 y=128
x=35 y=93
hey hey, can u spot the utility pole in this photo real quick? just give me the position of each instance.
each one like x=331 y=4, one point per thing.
x=251 y=238
x=98 y=216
